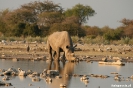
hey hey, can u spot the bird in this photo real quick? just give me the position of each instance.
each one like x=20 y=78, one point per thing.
x=28 y=48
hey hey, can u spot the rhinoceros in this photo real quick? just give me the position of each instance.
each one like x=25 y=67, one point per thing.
x=58 y=42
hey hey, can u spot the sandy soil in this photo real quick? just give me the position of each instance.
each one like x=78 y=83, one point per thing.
x=39 y=50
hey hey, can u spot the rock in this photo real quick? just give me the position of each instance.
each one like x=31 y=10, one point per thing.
x=36 y=79
x=62 y=85
x=43 y=75
x=52 y=72
x=58 y=77
x=117 y=58
x=2 y=70
x=113 y=73
x=131 y=77
x=30 y=84
x=15 y=59
x=48 y=80
x=104 y=59
x=7 y=73
x=22 y=73
x=36 y=74
x=5 y=78
x=108 y=48
x=8 y=84
x=117 y=78
x=5 y=84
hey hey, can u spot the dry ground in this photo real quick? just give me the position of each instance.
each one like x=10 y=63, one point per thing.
x=39 y=50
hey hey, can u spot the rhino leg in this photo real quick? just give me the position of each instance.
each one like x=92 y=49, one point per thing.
x=57 y=54
x=56 y=65
x=54 y=54
x=49 y=65
x=64 y=56
x=50 y=52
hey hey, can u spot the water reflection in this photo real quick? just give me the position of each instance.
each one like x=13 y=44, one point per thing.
x=22 y=78
x=66 y=73
x=66 y=70
x=118 y=67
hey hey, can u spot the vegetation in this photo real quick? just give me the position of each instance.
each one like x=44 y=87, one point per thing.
x=39 y=19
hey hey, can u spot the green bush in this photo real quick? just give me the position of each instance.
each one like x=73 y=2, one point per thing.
x=126 y=40
x=75 y=39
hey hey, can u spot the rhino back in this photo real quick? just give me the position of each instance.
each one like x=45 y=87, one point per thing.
x=60 y=40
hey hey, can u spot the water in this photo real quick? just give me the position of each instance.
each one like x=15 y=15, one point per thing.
x=81 y=68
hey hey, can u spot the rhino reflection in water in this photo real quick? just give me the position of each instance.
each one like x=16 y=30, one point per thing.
x=66 y=73
x=58 y=42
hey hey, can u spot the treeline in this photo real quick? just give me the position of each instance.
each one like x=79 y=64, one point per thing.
x=43 y=18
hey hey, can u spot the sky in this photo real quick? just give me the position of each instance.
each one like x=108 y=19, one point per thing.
x=109 y=12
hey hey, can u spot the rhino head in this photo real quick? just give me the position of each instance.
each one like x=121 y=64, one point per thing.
x=69 y=53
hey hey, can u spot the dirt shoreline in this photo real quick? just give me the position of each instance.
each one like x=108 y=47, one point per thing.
x=38 y=51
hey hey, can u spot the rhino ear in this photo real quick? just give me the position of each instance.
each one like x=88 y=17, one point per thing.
x=67 y=46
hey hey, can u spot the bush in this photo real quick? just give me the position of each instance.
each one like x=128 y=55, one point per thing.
x=126 y=40
x=3 y=38
x=75 y=39
x=87 y=39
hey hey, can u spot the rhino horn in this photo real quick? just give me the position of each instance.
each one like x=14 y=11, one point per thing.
x=75 y=46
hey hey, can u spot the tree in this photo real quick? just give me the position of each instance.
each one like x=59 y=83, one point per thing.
x=128 y=31
x=49 y=18
x=126 y=22
x=127 y=27
x=70 y=24
x=45 y=13
x=120 y=32
x=46 y=16
x=48 y=13
x=81 y=12
x=18 y=30
x=93 y=31
x=31 y=30
x=3 y=26
x=105 y=29
x=113 y=35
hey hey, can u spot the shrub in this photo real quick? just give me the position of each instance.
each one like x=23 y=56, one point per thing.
x=126 y=40
x=75 y=39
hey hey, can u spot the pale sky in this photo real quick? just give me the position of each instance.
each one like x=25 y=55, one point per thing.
x=109 y=12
